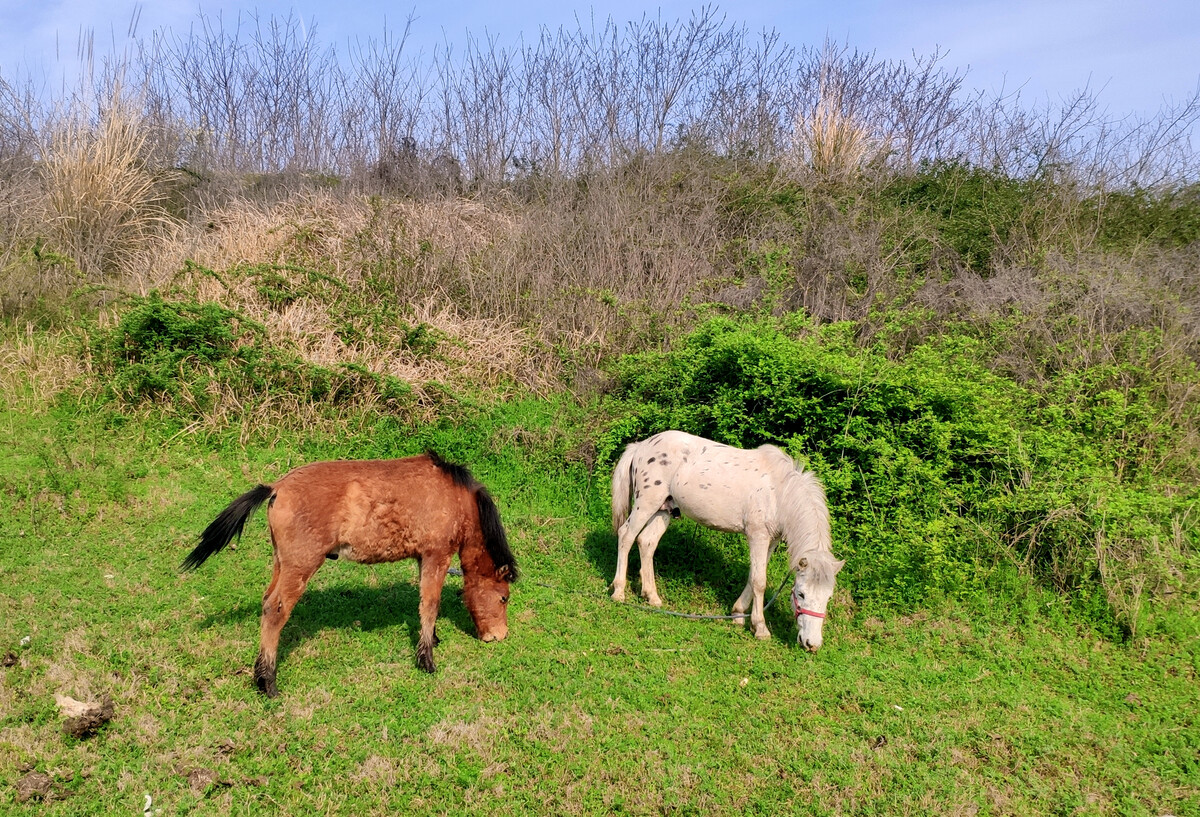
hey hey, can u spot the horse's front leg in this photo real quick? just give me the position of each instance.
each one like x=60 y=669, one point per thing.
x=743 y=603
x=433 y=576
x=760 y=544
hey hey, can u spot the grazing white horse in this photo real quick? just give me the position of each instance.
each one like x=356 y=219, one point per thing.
x=761 y=493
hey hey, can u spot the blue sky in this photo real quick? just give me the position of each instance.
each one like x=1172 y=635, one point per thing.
x=1136 y=55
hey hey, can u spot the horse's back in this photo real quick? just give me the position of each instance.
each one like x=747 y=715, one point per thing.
x=718 y=485
x=369 y=510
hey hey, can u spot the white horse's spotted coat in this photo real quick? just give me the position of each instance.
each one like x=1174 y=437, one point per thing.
x=759 y=492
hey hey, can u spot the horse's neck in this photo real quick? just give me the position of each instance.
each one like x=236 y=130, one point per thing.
x=803 y=518
x=474 y=556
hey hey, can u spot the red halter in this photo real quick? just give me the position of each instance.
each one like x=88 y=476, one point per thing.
x=800 y=611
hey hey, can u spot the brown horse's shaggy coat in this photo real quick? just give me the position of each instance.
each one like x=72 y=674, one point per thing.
x=375 y=511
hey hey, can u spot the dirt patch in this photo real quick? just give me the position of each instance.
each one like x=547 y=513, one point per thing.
x=35 y=786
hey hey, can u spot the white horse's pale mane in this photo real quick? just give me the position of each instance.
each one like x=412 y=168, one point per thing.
x=803 y=516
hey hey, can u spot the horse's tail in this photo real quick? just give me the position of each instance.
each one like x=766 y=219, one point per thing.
x=227 y=525
x=494 y=538
x=808 y=514
x=622 y=481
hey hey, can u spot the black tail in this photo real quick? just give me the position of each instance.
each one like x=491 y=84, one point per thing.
x=226 y=526
x=494 y=538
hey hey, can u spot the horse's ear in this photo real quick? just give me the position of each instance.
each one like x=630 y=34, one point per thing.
x=504 y=571
x=803 y=563
x=840 y=564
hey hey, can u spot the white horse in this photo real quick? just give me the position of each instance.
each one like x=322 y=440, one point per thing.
x=761 y=493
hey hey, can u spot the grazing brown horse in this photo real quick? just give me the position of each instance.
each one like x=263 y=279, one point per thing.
x=375 y=511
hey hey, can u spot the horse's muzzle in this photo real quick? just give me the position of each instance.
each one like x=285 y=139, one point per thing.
x=494 y=635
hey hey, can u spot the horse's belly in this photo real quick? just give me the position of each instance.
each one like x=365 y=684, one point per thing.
x=716 y=513
x=716 y=501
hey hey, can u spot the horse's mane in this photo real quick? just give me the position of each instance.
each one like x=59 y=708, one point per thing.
x=494 y=537
x=803 y=516
x=458 y=473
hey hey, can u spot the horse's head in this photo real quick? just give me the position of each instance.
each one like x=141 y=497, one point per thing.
x=485 y=593
x=816 y=574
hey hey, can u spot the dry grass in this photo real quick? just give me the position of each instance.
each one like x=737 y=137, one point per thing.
x=33 y=360
x=829 y=144
x=102 y=199
x=352 y=245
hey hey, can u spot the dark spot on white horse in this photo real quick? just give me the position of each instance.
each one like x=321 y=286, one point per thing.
x=649 y=460
x=658 y=482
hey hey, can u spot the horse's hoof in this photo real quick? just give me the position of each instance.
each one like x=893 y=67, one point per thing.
x=763 y=634
x=739 y=619
x=618 y=595
x=655 y=602
x=267 y=687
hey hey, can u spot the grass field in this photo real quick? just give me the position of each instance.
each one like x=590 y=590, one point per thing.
x=974 y=319
x=1004 y=705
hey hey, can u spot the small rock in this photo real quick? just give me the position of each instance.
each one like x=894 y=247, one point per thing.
x=9 y=659
x=34 y=786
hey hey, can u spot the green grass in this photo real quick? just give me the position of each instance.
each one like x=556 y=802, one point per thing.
x=999 y=705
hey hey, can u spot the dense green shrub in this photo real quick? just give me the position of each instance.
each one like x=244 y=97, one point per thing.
x=973 y=211
x=1125 y=219
x=938 y=470
x=186 y=356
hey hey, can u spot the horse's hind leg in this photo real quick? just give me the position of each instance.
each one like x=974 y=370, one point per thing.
x=287 y=586
x=647 y=542
x=638 y=517
x=433 y=576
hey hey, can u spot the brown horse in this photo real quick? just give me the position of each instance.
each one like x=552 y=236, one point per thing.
x=375 y=511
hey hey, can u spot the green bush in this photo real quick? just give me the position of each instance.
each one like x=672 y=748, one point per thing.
x=973 y=211
x=937 y=469
x=186 y=355
x=1125 y=219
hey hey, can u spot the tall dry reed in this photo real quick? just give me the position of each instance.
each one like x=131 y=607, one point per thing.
x=103 y=202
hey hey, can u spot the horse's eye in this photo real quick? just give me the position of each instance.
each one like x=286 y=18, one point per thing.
x=504 y=599
x=801 y=596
